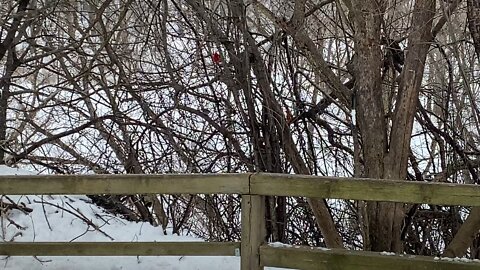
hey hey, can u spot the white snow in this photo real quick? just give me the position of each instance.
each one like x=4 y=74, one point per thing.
x=63 y=219
x=456 y=259
x=52 y=221
x=279 y=245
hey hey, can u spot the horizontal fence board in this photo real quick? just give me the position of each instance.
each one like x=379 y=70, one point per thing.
x=365 y=189
x=125 y=184
x=260 y=184
x=306 y=258
x=119 y=249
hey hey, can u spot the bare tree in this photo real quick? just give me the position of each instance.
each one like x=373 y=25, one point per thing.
x=380 y=89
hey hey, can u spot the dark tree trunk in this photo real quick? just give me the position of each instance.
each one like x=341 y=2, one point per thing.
x=7 y=47
x=368 y=61
x=385 y=158
x=473 y=17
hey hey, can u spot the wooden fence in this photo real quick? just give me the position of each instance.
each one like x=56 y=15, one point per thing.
x=255 y=254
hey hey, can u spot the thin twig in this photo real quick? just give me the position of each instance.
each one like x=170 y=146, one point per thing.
x=45 y=214
x=80 y=216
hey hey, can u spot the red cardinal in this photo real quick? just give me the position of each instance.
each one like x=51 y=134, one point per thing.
x=216 y=58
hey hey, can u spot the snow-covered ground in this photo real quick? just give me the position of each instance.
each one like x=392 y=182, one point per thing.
x=61 y=219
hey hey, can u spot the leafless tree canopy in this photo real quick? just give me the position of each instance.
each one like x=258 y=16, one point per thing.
x=381 y=89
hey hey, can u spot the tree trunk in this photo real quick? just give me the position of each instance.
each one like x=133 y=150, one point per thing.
x=383 y=159
x=7 y=46
x=370 y=118
x=467 y=232
x=473 y=17
x=319 y=207
x=465 y=235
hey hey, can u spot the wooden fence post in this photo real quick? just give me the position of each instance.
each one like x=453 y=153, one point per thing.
x=253 y=231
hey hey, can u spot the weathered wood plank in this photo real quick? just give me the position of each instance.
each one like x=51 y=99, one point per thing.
x=365 y=189
x=306 y=258
x=119 y=249
x=125 y=184
x=253 y=231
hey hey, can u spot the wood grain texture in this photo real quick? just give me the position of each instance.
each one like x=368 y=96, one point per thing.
x=365 y=189
x=253 y=231
x=260 y=184
x=125 y=184
x=307 y=258
x=119 y=249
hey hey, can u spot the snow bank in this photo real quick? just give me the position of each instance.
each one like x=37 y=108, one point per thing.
x=65 y=218
x=74 y=218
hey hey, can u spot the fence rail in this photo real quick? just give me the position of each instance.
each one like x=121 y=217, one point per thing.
x=365 y=189
x=318 y=259
x=120 y=249
x=125 y=184
x=253 y=187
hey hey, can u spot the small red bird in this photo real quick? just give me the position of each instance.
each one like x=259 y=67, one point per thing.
x=216 y=58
